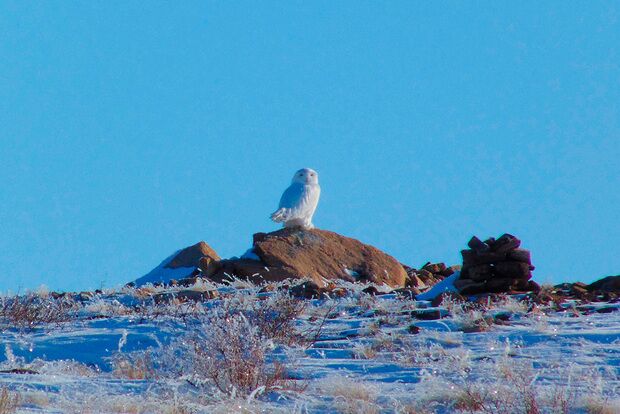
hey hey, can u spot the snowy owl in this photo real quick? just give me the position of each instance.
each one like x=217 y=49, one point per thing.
x=299 y=200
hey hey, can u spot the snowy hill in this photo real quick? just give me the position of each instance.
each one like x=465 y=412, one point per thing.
x=258 y=349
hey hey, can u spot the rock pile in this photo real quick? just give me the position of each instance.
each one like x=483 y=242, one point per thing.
x=419 y=280
x=494 y=266
x=317 y=255
x=606 y=289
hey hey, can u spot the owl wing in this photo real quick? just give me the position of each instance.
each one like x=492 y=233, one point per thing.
x=292 y=196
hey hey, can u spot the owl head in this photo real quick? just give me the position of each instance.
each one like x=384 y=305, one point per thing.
x=306 y=176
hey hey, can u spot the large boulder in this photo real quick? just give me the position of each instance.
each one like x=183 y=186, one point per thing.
x=319 y=255
x=181 y=264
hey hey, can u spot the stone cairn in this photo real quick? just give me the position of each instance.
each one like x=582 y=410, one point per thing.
x=496 y=266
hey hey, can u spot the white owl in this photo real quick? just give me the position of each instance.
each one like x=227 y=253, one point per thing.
x=299 y=200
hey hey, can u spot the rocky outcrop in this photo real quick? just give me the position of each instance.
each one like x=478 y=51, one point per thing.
x=495 y=266
x=606 y=289
x=318 y=255
x=607 y=284
x=183 y=264
x=193 y=256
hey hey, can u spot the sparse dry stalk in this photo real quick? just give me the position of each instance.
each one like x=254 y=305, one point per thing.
x=31 y=311
x=133 y=366
x=231 y=354
x=9 y=401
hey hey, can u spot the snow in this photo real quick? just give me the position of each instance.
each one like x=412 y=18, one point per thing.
x=365 y=355
x=250 y=255
x=446 y=285
x=163 y=274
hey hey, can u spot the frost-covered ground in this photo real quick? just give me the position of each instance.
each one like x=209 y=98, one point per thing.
x=251 y=351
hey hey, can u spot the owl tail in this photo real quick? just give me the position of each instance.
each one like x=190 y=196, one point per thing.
x=279 y=215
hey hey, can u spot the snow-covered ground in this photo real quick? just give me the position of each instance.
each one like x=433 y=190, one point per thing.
x=251 y=351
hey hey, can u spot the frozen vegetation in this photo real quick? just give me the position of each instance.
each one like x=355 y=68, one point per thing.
x=249 y=349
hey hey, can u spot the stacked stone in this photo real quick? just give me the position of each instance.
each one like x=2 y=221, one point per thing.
x=495 y=266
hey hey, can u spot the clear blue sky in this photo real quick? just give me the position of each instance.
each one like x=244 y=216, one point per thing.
x=131 y=129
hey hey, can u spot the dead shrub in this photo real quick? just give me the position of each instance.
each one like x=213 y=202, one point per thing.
x=470 y=400
x=230 y=353
x=30 y=311
x=276 y=316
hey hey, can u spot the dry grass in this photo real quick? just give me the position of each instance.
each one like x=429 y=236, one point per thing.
x=148 y=403
x=133 y=366
x=9 y=401
x=594 y=405
x=352 y=396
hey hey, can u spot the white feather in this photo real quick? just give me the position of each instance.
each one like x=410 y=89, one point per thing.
x=299 y=201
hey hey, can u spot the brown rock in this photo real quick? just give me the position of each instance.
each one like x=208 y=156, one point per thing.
x=471 y=258
x=245 y=269
x=191 y=256
x=477 y=245
x=307 y=290
x=469 y=287
x=195 y=295
x=339 y=292
x=434 y=267
x=606 y=284
x=371 y=290
x=449 y=296
x=451 y=270
x=425 y=274
x=533 y=286
x=426 y=314
x=188 y=281
x=514 y=270
x=500 y=284
x=519 y=255
x=407 y=292
x=608 y=309
x=480 y=273
x=414 y=280
x=579 y=288
x=505 y=243
x=185 y=296
x=321 y=254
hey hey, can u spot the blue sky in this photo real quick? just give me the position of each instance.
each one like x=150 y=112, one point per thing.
x=131 y=129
